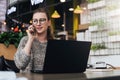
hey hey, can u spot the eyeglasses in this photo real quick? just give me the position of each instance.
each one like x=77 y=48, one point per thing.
x=41 y=20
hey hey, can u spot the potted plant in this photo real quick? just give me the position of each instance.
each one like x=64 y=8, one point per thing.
x=92 y=1
x=97 y=25
x=114 y=36
x=9 y=42
x=95 y=3
x=14 y=38
x=99 y=49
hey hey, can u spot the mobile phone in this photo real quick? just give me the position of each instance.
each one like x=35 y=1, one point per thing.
x=33 y=32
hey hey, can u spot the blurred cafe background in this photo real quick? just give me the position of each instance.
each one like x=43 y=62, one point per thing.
x=97 y=21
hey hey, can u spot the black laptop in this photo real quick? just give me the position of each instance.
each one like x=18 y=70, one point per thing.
x=66 y=56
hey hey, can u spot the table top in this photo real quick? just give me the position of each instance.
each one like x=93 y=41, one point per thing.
x=87 y=75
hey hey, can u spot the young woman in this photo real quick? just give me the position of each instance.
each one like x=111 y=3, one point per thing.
x=32 y=48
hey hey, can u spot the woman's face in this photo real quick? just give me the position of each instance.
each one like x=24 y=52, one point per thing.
x=40 y=22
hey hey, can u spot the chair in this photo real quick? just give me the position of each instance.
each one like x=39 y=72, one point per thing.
x=7 y=65
x=2 y=64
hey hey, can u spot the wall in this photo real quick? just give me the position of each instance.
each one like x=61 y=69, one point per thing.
x=2 y=9
x=2 y=14
x=106 y=15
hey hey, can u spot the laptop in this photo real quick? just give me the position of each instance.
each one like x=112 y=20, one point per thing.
x=66 y=56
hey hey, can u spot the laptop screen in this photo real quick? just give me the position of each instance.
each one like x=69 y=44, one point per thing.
x=66 y=56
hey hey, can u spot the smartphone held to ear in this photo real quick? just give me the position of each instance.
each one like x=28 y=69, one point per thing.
x=32 y=30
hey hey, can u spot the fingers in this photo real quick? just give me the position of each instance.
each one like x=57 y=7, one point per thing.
x=31 y=28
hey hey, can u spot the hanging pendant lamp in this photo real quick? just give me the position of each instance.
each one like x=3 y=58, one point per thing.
x=78 y=10
x=55 y=14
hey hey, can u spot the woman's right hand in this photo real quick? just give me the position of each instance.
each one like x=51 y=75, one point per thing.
x=31 y=32
x=31 y=37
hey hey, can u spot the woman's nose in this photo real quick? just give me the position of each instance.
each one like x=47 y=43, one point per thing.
x=38 y=23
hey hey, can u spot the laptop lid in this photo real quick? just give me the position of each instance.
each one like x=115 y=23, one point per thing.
x=66 y=56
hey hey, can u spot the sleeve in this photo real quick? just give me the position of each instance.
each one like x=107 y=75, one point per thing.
x=20 y=58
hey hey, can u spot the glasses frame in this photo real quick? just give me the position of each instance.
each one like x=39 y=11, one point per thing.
x=41 y=21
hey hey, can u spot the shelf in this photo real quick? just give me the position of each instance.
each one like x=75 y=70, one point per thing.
x=113 y=13
x=115 y=38
x=96 y=29
x=100 y=52
x=96 y=5
x=104 y=21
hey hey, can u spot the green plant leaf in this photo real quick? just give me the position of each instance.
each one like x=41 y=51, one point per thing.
x=7 y=43
x=11 y=38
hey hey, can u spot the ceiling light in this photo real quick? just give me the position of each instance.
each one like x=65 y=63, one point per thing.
x=78 y=10
x=62 y=0
x=71 y=9
x=55 y=14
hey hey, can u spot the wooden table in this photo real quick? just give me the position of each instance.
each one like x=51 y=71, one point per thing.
x=88 y=75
